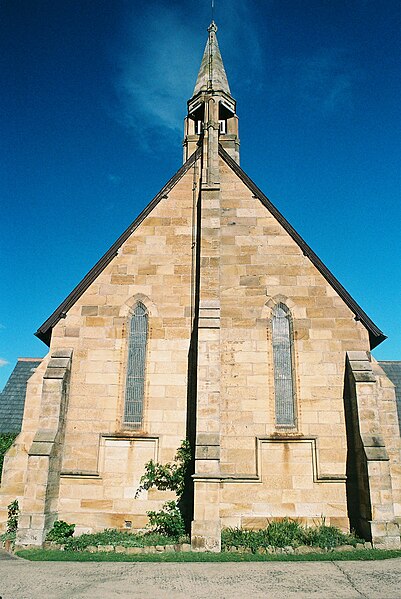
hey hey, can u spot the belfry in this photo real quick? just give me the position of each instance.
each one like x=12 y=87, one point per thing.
x=209 y=319
x=211 y=110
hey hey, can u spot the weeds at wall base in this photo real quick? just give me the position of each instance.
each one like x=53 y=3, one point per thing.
x=192 y=556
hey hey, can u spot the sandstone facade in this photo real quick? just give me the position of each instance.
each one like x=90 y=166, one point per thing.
x=210 y=261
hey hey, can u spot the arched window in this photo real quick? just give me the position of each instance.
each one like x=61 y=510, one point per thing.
x=135 y=384
x=283 y=366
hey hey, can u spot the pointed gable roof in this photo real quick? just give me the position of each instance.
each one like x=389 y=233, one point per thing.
x=212 y=72
x=211 y=76
x=376 y=336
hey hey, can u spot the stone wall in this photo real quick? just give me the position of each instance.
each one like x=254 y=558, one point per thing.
x=301 y=470
x=16 y=460
x=248 y=469
x=102 y=459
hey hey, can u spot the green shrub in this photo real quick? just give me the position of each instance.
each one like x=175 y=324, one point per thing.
x=328 y=537
x=13 y=515
x=6 y=440
x=277 y=534
x=60 y=532
x=12 y=523
x=169 y=476
x=284 y=533
x=168 y=521
x=124 y=538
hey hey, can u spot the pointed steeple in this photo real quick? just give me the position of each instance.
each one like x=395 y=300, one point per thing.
x=212 y=74
x=211 y=118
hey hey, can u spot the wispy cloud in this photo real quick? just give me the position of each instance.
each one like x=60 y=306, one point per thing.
x=323 y=82
x=156 y=70
x=114 y=179
x=159 y=56
x=3 y=362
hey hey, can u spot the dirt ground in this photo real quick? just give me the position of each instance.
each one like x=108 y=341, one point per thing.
x=20 y=579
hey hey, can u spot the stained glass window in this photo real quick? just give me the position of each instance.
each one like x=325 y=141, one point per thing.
x=283 y=366
x=135 y=384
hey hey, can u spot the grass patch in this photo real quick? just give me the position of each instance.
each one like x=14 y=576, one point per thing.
x=74 y=556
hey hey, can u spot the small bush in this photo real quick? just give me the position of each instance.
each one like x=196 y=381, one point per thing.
x=12 y=523
x=60 y=532
x=124 y=538
x=328 y=537
x=284 y=533
x=169 y=476
x=277 y=534
x=168 y=520
x=13 y=515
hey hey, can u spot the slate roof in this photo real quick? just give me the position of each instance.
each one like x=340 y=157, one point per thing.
x=12 y=398
x=393 y=370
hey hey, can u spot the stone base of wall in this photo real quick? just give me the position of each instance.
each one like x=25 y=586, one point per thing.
x=186 y=547
x=206 y=535
x=385 y=535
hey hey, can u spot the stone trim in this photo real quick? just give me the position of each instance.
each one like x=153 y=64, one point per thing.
x=318 y=477
x=39 y=503
x=373 y=475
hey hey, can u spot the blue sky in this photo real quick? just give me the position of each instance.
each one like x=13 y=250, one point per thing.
x=93 y=98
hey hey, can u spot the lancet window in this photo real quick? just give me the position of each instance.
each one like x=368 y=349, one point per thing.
x=284 y=386
x=135 y=382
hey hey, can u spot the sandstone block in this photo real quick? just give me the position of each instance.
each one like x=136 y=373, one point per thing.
x=134 y=550
x=345 y=548
x=105 y=548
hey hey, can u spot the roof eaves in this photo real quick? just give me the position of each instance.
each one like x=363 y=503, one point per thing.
x=44 y=332
x=376 y=336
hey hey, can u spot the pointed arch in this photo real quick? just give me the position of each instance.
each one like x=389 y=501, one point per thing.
x=136 y=366
x=283 y=363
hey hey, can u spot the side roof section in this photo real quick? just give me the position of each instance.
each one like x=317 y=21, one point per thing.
x=45 y=330
x=12 y=398
x=376 y=336
x=393 y=370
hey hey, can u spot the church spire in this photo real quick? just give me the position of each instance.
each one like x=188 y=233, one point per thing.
x=212 y=74
x=212 y=106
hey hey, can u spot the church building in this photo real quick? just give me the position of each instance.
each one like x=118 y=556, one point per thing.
x=209 y=319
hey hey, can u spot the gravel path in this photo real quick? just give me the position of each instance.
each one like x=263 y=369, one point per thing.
x=20 y=579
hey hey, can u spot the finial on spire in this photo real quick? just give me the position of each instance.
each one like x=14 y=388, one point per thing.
x=212 y=27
